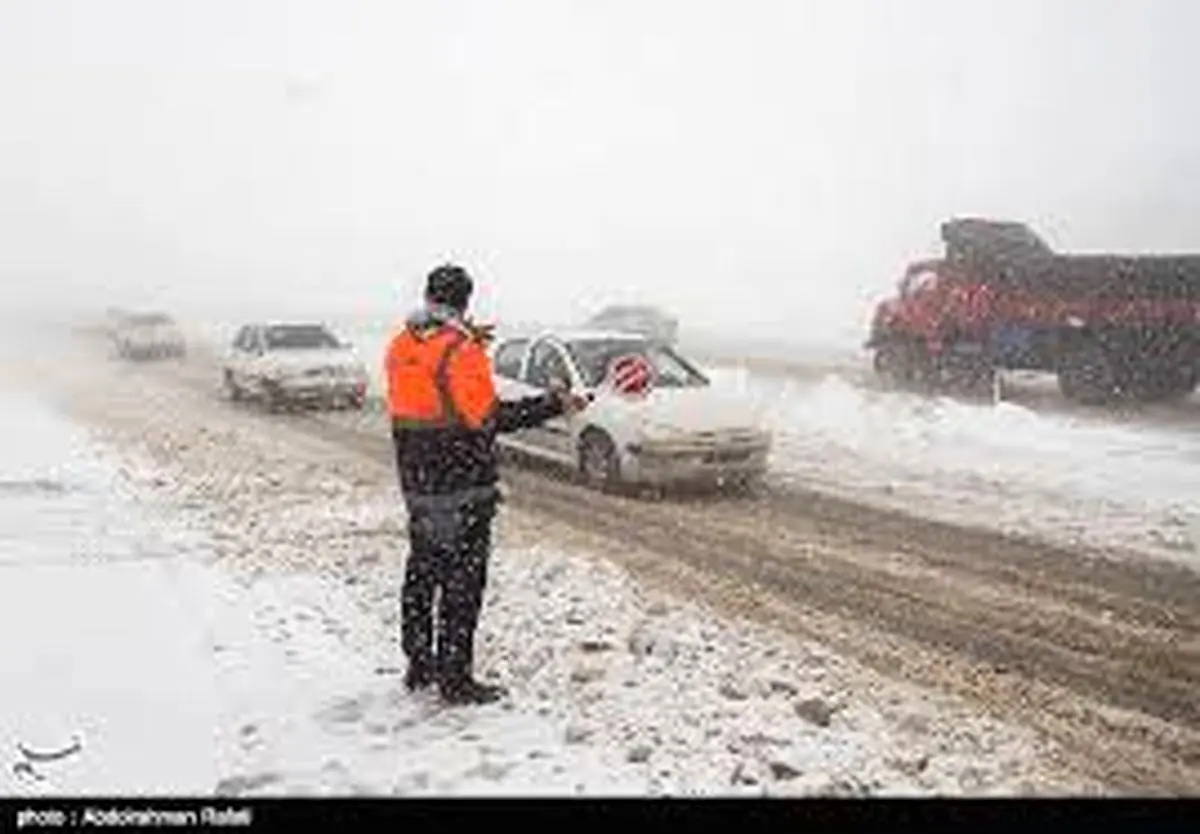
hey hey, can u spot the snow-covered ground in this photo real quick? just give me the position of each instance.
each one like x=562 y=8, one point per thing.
x=1002 y=464
x=256 y=653
x=614 y=690
x=103 y=618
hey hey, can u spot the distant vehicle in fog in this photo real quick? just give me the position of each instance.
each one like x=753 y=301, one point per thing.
x=680 y=430
x=643 y=320
x=286 y=364
x=150 y=335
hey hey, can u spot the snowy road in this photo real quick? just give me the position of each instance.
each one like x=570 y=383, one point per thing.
x=1048 y=635
x=631 y=669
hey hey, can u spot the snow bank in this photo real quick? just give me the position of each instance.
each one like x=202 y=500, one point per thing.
x=1002 y=464
x=102 y=625
x=115 y=659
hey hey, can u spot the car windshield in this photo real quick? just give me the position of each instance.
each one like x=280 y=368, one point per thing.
x=299 y=337
x=594 y=356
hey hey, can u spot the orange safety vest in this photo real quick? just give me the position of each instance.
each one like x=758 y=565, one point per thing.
x=438 y=379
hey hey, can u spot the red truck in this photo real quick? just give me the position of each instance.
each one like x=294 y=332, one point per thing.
x=1109 y=326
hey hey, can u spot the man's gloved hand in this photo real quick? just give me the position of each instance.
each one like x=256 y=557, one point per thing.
x=572 y=403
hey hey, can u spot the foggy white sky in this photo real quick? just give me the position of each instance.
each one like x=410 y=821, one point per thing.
x=764 y=160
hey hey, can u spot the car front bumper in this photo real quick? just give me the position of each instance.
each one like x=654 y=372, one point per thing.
x=322 y=389
x=671 y=463
x=144 y=350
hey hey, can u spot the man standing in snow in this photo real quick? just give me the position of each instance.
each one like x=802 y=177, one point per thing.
x=445 y=418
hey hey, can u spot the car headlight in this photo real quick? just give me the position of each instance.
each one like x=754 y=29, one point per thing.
x=660 y=439
x=660 y=432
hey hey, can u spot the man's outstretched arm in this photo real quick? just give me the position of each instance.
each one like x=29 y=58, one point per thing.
x=472 y=375
x=527 y=412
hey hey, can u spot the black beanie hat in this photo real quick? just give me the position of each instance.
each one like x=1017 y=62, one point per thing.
x=450 y=285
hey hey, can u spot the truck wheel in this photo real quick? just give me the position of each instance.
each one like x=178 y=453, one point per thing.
x=1164 y=384
x=1086 y=375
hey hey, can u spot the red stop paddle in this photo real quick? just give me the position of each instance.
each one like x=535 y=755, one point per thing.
x=631 y=375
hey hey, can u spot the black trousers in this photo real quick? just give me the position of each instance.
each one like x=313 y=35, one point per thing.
x=444 y=579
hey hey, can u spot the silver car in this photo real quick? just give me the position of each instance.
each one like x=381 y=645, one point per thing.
x=147 y=336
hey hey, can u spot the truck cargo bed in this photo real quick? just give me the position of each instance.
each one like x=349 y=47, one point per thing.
x=1010 y=256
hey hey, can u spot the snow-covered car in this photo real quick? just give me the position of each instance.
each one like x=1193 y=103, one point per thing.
x=642 y=320
x=680 y=430
x=147 y=336
x=294 y=363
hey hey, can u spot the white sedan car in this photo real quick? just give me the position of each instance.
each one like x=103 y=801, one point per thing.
x=681 y=430
x=294 y=363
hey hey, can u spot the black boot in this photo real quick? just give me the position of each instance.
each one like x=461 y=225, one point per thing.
x=471 y=691
x=419 y=676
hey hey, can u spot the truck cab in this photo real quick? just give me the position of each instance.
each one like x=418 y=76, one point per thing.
x=936 y=305
x=914 y=303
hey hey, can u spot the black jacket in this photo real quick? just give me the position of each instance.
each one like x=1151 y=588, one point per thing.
x=445 y=461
